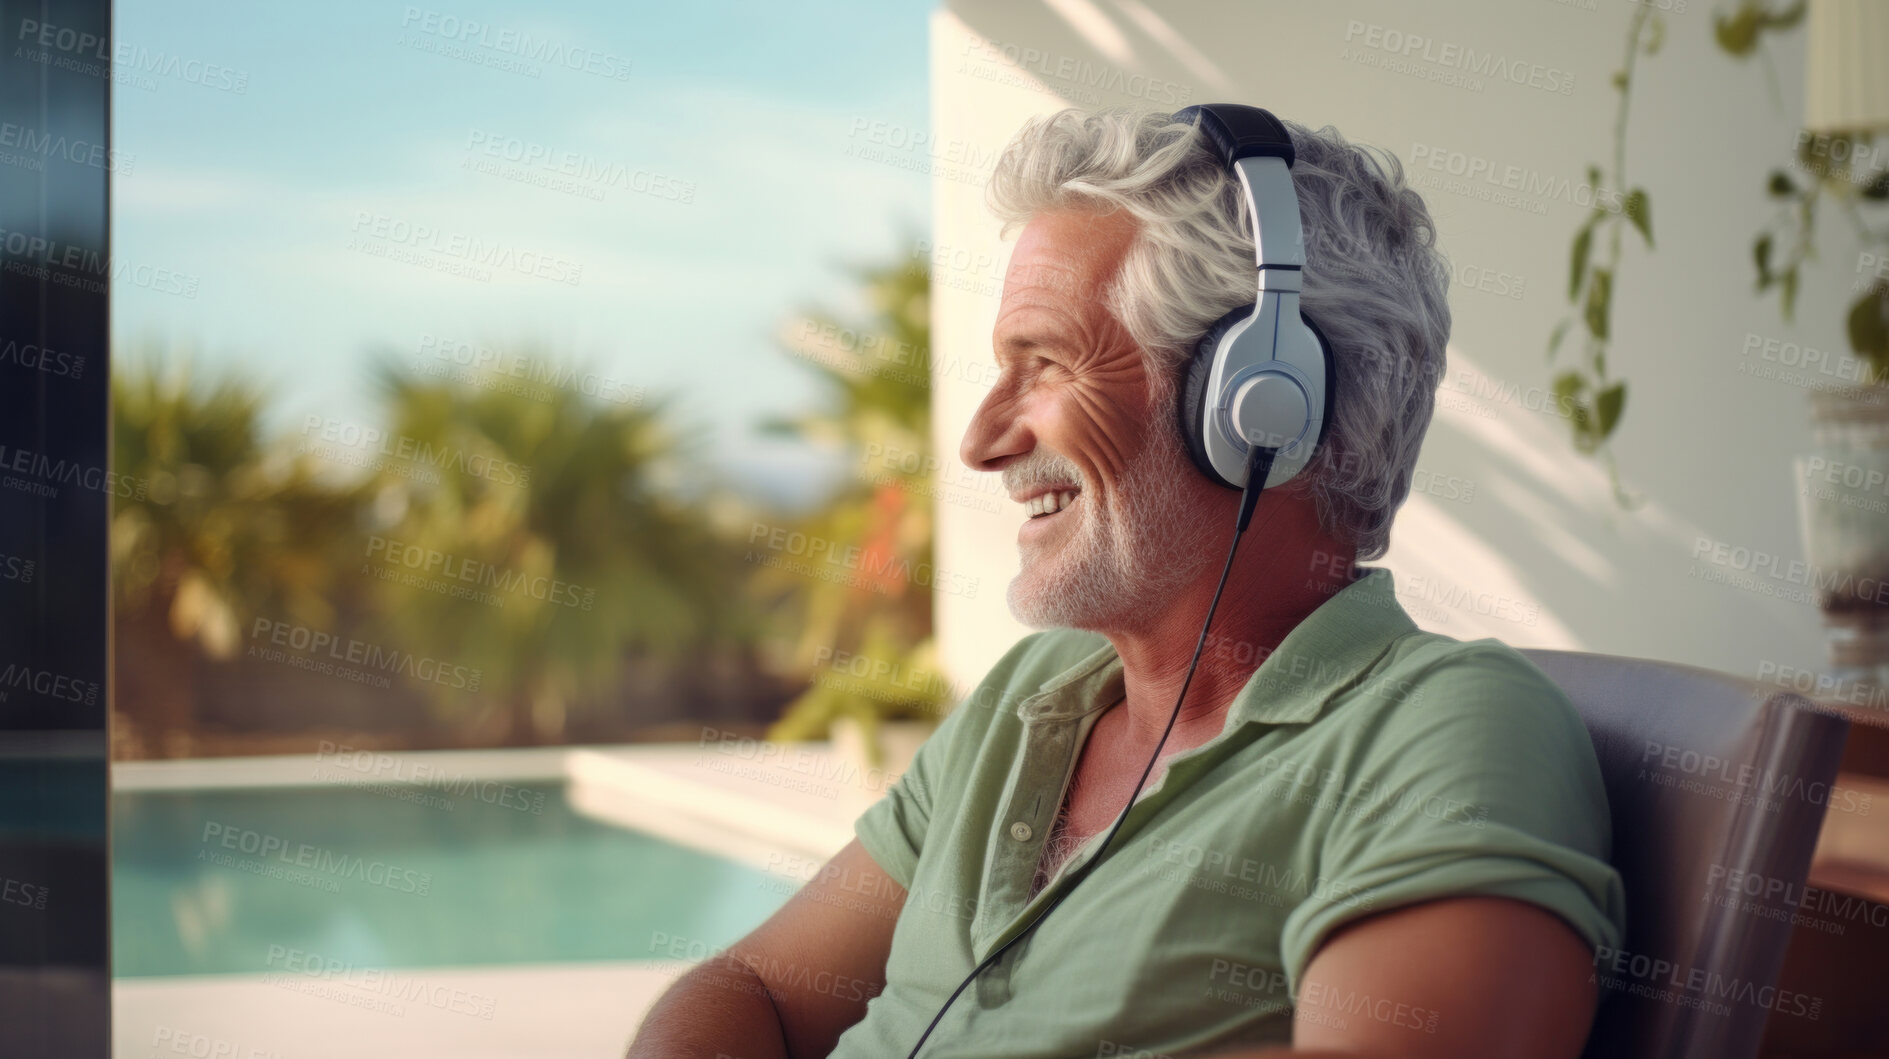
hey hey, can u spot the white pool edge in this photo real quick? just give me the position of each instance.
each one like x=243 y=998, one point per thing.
x=706 y=810
x=341 y=765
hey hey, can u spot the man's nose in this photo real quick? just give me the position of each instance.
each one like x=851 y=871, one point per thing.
x=996 y=433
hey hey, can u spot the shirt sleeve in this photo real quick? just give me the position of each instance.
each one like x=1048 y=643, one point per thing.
x=893 y=828
x=1482 y=783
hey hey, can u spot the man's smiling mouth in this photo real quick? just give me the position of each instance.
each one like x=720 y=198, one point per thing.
x=1050 y=503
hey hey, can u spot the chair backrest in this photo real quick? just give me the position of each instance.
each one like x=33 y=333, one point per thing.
x=1717 y=788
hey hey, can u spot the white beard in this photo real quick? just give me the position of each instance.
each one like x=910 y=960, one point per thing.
x=1122 y=561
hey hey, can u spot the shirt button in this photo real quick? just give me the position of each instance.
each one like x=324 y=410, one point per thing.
x=1021 y=831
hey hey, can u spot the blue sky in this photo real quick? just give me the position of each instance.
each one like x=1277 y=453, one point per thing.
x=360 y=125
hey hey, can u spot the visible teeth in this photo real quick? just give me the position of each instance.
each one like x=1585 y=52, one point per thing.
x=1049 y=503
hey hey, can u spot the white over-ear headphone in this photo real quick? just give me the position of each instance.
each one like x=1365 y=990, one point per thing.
x=1262 y=375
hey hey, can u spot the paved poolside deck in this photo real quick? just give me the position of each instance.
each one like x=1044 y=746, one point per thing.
x=561 y=1011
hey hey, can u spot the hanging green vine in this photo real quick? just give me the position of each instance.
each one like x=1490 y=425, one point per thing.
x=1592 y=399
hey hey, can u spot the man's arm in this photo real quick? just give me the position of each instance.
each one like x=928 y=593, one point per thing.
x=1457 y=978
x=795 y=983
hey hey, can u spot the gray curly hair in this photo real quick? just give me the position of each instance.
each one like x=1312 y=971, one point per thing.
x=1374 y=279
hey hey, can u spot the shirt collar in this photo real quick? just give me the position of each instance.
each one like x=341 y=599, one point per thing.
x=1321 y=656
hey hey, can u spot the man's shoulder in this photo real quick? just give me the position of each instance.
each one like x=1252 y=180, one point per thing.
x=1423 y=648
x=1439 y=678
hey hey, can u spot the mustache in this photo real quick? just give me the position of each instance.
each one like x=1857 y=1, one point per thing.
x=1042 y=467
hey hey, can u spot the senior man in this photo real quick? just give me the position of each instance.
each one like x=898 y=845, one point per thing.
x=1360 y=838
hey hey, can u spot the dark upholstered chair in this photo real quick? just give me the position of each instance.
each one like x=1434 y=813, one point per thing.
x=1707 y=776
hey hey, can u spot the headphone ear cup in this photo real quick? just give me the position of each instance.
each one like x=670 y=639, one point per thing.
x=1331 y=379
x=1193 y=398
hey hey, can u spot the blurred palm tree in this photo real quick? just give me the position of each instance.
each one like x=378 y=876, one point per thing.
x=215 y=530
x=553 y=505
x=879 y=375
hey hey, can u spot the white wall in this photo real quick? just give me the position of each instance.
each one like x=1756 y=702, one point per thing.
x=1708 y=447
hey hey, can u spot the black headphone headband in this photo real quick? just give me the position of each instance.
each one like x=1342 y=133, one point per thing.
x=1239 y=131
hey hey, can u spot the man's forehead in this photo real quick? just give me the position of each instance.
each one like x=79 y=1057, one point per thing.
x=1067 y=254
x=1037 y=278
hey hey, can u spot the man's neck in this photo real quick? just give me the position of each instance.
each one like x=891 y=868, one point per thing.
x=1268 y=593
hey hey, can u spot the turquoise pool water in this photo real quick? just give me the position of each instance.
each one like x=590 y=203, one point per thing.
x=232 y=881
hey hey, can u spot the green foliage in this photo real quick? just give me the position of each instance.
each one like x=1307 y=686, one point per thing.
x=1608 y=405
x=1740 y=32
x=880 y=403
x=1554 y=337
x=1868 y=327
x=1639 y=210
x=1599 y=303
x=223 y=530
x=1577 y=271
x=597 y=563
x=594 y=559
x=1592 y=401
x=216 y=531
x=1595 y=404
x=1826 y=161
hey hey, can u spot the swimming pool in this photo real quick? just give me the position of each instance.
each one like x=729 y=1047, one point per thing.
x=249 y=880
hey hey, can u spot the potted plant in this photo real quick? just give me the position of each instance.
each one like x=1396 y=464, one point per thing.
x=1841 y=165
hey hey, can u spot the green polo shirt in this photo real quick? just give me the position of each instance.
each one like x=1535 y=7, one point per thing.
x=1366 y=764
